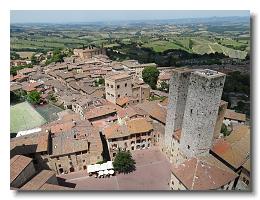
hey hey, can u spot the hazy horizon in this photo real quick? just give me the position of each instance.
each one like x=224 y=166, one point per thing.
x=90 y=16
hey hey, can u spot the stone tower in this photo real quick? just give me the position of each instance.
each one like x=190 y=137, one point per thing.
x=177 y=100
x=201 y=111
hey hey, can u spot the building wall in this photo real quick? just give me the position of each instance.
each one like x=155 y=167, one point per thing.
x=73 y=162
x=221 y=113
x=24 y=176
x=118 y=88
x=132 y=142
x=177 y=100
x=201 y=111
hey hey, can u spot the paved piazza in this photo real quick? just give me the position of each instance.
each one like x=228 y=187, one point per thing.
x=152 y=173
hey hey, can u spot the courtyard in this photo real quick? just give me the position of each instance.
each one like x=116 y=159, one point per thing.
x=152 y=173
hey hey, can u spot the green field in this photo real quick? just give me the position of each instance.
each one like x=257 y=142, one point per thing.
x=160 y=45
x=24 y=116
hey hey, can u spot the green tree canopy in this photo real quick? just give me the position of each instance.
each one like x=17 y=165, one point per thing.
x=164 y=86
x=150 y=76
x=34 y=97
x=124 y=163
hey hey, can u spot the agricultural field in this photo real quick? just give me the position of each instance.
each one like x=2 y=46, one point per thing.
x=160 y=45
x=24 y=116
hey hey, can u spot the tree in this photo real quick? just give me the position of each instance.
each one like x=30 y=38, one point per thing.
x=124 y=163
x=150 y=76
x=164 y=86
x=34 y=60
x=34 y=97
x=224 y=130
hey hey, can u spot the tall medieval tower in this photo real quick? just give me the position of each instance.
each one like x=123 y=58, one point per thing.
x=194 y=101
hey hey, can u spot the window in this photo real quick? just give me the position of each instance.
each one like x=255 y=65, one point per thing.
x=188 y=146
x=118 y=95
x=114 y=154
x=118 y=86
x=111 y=86
x=107 y=85
x=126 y=85
x=190 y=111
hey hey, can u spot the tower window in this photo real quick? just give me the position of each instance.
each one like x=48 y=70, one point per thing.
x=188 y=146
x=191 y=111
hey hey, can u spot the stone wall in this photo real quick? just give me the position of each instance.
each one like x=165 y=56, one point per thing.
x=201 y=111
x=179 y=84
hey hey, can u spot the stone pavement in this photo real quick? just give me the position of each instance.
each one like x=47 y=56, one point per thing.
x=152 y=173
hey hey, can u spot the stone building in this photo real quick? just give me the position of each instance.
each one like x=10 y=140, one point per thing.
x=201 y=111
x=118 y=85
x=193 y=108
x=134 y=134
x=178 y=91
x=89 y=52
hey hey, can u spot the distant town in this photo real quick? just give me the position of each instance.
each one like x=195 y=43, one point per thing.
x=109 y=116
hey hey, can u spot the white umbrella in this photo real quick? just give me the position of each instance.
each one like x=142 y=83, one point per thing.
x=91 y=168
x=103 y=166
x=100 y=173
x=97 y=167
x=111 y=171
x=110 y=165
x=106 y=172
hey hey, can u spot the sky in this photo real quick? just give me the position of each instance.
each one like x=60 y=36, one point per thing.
x=69 y=16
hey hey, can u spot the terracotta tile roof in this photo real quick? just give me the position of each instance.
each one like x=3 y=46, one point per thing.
x=155 y=110
x=39 y=180
x=31 y=86
x=101 y=111
x=26 y=70
x=65 y=75
x=118 y=76
x=19 y=77
x=15 y=86
x=230 y=114
x=122 y=101
x=17 y=164
x=235 y=148
x=134 y=126
x=203 y=173
x=31 y=143
x=82 y=137
x=139 y=125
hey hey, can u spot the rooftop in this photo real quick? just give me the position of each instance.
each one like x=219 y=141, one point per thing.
x=118 y=76
x=134 y=126
x=203 y=173
x=235 y=148
x=231 y=114
x=39 y=180
x=18 y=164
